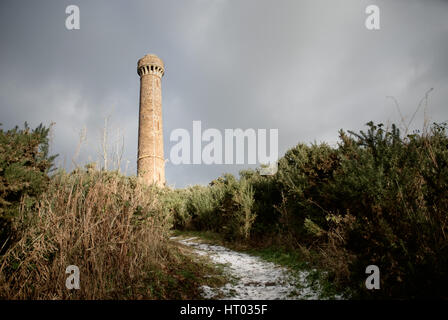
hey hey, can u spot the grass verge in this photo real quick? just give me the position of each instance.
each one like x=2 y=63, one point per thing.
x=296 y=261
x=114 y=229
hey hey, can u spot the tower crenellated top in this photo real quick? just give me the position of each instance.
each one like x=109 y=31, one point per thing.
x=150 y=64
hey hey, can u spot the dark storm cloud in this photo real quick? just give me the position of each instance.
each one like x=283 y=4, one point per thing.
x=307 y=68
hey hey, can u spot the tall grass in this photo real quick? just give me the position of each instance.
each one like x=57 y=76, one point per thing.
x=112 y=227
x=107 y=225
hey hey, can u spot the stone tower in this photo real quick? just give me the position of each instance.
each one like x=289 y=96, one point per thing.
x=150 y=161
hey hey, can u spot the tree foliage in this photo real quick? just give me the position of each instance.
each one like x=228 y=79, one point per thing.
x=24 y=166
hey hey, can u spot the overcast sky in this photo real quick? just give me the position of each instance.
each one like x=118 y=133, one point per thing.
x=307 y=68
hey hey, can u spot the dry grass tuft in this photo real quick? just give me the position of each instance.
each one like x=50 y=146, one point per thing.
x=112 y=227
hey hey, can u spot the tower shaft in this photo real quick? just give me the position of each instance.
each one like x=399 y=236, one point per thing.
x=150 y=161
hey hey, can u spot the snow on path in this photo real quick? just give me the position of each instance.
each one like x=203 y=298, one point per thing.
x=255 y=278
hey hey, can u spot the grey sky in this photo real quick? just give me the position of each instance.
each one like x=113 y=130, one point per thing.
x=308 y=68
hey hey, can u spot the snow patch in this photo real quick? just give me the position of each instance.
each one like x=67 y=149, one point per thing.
x=255 y=279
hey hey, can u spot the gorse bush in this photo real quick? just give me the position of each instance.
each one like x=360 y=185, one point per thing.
x=175 y=207
x=303 y=173
x=397 y=191
x=235 y=209
x=203 y=204
x=24 y=167
x=377 y=198
x=225 y=207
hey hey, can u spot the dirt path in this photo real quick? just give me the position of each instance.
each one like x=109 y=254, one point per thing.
x=253 y=277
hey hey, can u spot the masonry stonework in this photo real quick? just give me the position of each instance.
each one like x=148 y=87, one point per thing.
x=150 y=161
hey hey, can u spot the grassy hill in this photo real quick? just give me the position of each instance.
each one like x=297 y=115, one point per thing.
x=377 y=198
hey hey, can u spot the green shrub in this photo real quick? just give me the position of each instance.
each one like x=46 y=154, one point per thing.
x=377 y=198
x=266 y=196
x=396 y=189
x=24 y=168
x=175 y=206
x=224 y=206
x=236 y=207
x=202 y=205
x=302 y=174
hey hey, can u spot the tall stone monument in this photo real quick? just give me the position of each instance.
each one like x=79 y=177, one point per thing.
x=150 y=161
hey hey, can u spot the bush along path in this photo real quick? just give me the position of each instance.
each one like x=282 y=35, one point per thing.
x=251 y=277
